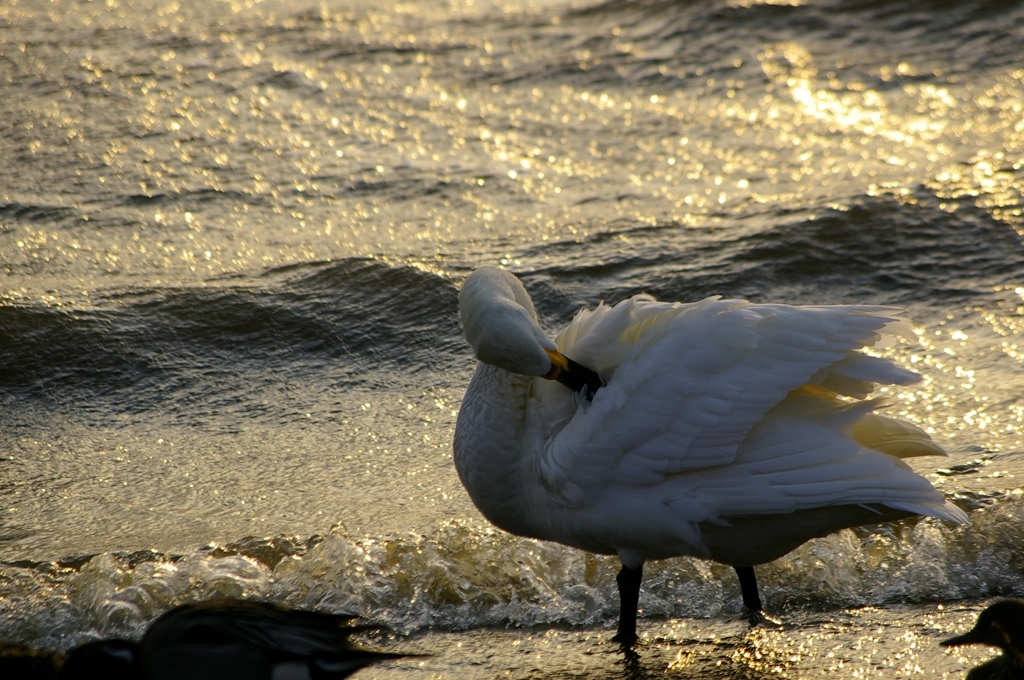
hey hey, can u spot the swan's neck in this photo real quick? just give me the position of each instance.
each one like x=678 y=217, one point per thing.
x=488 y=447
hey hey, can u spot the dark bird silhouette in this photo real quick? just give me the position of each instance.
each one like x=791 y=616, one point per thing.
x=229 y=640
x=18 y=661
x=1000 y=625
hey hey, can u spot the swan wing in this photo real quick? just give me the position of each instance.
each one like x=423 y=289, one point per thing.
x=813 y=450
x=686 y=384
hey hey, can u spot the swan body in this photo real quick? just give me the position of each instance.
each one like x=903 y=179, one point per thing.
x=724 y=430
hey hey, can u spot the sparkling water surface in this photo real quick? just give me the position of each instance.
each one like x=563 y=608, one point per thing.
x=232 y=235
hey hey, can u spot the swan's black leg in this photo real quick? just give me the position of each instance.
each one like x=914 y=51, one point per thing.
x=629 y=597
x=748 y=584
x=751 y=598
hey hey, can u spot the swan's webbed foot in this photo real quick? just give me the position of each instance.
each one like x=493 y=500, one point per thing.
x=752 y=600
x=759 y=618
x=625 y=638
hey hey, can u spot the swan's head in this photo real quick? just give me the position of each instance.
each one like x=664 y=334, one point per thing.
x=501 y=324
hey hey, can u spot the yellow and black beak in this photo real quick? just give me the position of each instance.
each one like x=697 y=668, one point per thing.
x=572 y=375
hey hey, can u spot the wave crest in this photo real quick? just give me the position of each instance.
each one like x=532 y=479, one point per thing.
x=464 y=576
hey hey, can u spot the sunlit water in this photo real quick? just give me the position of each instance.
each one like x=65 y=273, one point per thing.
x=230 y=362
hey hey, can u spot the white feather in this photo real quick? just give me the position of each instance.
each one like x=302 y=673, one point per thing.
x=711 y=411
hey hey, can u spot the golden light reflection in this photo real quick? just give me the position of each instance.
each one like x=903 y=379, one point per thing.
x=961 y=398
x=395 y=145
x=858 y=643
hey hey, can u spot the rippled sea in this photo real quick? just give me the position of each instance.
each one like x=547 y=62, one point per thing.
x=232 y=234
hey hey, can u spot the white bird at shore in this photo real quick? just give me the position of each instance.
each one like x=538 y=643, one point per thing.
x=720 y=429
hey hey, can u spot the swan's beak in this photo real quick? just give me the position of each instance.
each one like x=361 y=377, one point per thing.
x=572 y=375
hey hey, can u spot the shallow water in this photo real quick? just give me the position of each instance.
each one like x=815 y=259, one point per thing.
x=232 y=235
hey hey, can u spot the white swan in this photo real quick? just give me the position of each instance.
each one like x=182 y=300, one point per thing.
x=724 y=430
